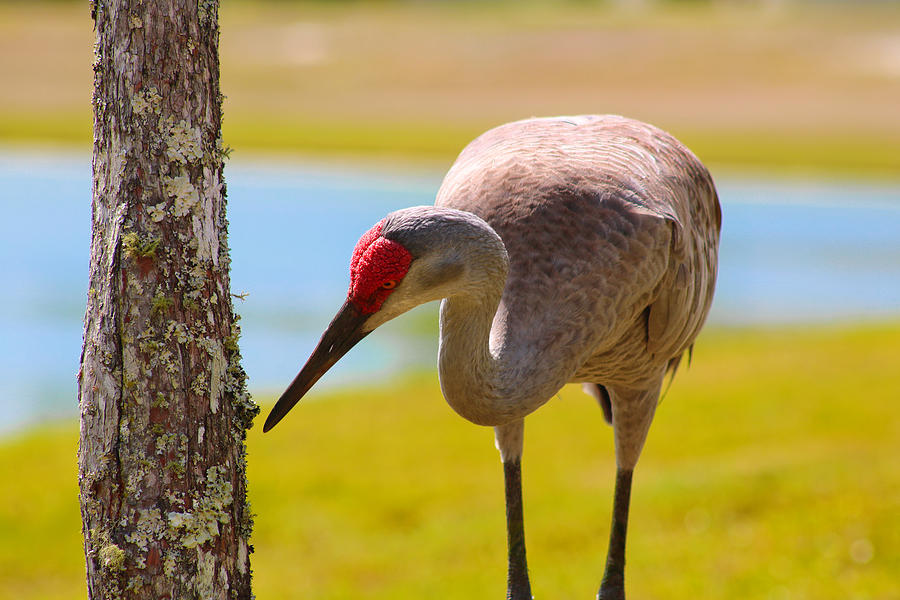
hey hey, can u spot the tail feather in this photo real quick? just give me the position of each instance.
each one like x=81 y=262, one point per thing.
x=672 y=368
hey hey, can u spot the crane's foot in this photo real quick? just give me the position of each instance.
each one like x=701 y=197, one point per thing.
x=613 y=585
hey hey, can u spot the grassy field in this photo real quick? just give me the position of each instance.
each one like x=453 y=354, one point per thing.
x=811 y=87
x=770 y=473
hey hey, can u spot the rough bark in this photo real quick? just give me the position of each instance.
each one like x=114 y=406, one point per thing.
x=164 y=406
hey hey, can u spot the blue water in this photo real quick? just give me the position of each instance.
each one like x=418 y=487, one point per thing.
x=792 y=251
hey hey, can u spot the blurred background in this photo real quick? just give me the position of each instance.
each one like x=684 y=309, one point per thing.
x=770 y=472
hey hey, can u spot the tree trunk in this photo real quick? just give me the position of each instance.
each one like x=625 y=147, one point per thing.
x=164 y=406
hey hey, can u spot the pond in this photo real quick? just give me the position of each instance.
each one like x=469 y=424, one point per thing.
x=792 y=251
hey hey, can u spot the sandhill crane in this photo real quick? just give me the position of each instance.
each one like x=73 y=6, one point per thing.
x=572 y=249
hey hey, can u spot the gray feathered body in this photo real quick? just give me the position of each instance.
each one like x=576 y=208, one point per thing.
x=611 y=227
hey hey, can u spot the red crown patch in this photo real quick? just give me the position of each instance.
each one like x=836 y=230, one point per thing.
x=377 y=266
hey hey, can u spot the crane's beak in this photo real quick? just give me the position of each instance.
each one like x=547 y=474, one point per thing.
x=344 y=332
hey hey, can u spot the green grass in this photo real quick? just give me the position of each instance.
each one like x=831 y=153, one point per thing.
x=770 y=472
x=813 y=153
x=821 y=154
x=40 y=524
x=417 y=141
x=436 y=143
x=64 y=129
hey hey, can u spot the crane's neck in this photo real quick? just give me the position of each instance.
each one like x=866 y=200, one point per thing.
x=482 y=378
x=488 y=375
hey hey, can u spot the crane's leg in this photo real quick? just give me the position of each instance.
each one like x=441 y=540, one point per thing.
x=632 y=412
x=613 y=585
x=509 y=440
x=517 y=585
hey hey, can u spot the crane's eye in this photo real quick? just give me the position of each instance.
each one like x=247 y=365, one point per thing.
x=389 y=284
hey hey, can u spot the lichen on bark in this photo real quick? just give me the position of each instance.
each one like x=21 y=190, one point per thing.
x=163 y=396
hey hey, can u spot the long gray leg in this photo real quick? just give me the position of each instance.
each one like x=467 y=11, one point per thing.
x=632 y=412
x=613 y=584
x=517 y=585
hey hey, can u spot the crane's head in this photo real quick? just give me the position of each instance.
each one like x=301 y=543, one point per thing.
x=410 y=257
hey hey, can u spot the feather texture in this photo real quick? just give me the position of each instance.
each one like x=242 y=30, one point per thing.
x=604 y=219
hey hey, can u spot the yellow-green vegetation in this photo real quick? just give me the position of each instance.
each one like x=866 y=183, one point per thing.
x=801 y=86
x=770 y=472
